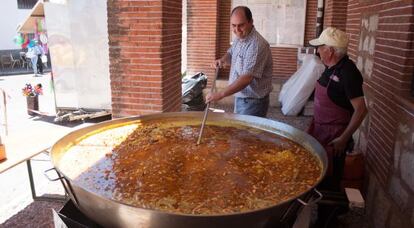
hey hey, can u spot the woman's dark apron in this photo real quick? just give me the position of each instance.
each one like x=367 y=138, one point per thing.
x=329 y=122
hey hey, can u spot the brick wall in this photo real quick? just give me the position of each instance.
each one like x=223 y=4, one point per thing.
x=202 y=36
x=224 y=32
x=353 y=24
x=171 y=55
x=284 y=62
x=145 y=56
x=381 y=43
x=335 y=13
x=389 y=78
x=310 y=23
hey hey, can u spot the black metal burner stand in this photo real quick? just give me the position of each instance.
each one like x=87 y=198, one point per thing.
x=331 y=205
x=70 y=216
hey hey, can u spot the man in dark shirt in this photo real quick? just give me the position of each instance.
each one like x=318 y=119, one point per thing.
x=339 y=104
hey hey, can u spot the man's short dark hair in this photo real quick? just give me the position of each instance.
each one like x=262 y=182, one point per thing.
x=246 y=11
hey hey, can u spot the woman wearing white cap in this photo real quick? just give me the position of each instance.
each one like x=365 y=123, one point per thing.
x=339 y=105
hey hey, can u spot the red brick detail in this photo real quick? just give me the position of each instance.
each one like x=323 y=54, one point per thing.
x=391 y=77
x=284 y=62
x=335 y=14
x=310 y=23
x=144 y=56
x=202 y=36
x=224 y=32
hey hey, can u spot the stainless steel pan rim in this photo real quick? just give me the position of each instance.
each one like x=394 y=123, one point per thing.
x=272 y=126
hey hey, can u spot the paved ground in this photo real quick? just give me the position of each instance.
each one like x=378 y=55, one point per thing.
x=14 y=183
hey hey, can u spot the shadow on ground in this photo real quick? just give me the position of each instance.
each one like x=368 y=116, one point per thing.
x=71 y=124
x=37 y=214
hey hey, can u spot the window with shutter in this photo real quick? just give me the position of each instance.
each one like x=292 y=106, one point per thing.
x=26 y=4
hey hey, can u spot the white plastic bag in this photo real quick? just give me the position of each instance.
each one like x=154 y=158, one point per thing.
x=296 y=91
x=295 y=77
x=44 y=58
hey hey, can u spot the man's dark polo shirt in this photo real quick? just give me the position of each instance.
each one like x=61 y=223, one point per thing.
x=347 y=84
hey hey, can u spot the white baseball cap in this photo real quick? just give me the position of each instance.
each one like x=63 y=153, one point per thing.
x=331 y=37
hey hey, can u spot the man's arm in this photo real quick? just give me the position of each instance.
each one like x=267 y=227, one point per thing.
x=222 y=62
x=360 y=111
x=234 y=87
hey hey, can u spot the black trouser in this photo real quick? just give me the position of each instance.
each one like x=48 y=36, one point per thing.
x=39 y=64
x=333 y=183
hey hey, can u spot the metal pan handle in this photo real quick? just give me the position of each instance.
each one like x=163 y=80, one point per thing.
x=49 y=178
x=311 y=201
x=66 y=185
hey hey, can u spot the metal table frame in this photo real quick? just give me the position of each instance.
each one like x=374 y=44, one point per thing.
x=32 y=183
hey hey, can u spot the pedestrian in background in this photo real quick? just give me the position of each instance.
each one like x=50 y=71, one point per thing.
x=40 y=53
x=34 y=53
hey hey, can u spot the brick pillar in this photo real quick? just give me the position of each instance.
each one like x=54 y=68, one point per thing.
x=310 y=23
x=224 y=33
x=335 y=14
x=144 y=56
x=202 y=36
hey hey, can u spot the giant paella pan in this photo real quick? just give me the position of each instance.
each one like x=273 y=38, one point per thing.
x=148 y=171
